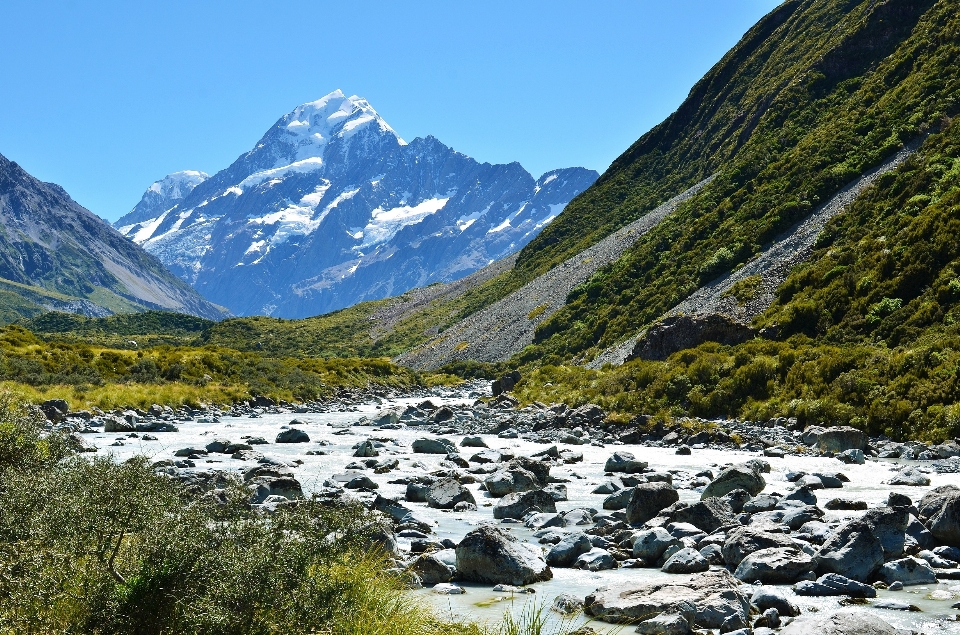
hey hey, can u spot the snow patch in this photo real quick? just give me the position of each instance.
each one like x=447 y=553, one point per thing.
x=384 y=224
x=146 y=229
x=305 y=166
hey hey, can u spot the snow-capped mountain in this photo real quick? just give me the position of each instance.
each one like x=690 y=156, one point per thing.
x=164 y=194
x=332 y=207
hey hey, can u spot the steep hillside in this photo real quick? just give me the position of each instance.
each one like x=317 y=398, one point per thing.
x=331 y=207
x=838 y=87
x=54 y=254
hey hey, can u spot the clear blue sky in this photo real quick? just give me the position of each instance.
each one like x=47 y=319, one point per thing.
x=104 y=98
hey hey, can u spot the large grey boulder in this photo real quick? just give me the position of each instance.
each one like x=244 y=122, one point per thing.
x=434 y=446
x=446 y=493
x=940 y=508
x=842 y=438
x=766 y=597
x=842 y=623
x=707 y=515
x=715 y=594
x=649 y=499
x=744 y=477
x=492 y=556
x=597 y=559
x=776 y=565
x=834 y=584
x=618 y=500
x=746 y=540
x=517 y=504
x=566 y=552
x=432 y=569
x=852 y=550
x=518 y=475
x=366 y=449
x=624 y=462
x=908 y=571
x=889 y=524
x=650 y=545
x=910 y=476
x=687 y=560
x=293 y=435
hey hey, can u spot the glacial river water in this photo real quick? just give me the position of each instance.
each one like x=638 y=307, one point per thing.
x=479 y=601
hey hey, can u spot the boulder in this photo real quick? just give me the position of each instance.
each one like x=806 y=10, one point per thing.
x=852 y=550
x=567 y=604
x=624 y=462
x=908 y=571
x=292 y=435
x=446 y=493
x=596 y=559
x=432 y=569
x=617 y=500
x=366 y=449
x=745 y=540
x=518 y=475
x=434 y=446
x=766 y=598
x=667 y=624
x=735 y=477
x=492 y=556
x=775 y=565
x=940 y=510
x=842 y=438
x=848 y=622
x=113 y=423
x=473 y=442
x=262 y=487
x=647 y=500
x=834 y=584
x=219 y=446
x=571 y=547
x=687 y=560
x=715 y=594
x=851 y=457
x=889 y=524
x=910 y=476
x=517 y=504
x=707 y=515
x=650 y=545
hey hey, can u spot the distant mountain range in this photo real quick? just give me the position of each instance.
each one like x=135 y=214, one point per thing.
x=56 y=255
x=331 y=207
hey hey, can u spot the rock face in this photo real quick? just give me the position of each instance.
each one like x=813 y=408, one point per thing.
x=648 y=500
x=446 y=493
x=489 y=555
x=737 y=477
x=677 y=333
x=775 y=565
x=941 y=509
x=715 y=595
x=517 y=504
x=842 y=623
x=331 y=207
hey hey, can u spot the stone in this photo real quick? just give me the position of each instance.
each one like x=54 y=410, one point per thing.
x=567 y=604
x=834 y=584
x=557 y=490
x=448 y=588
x=797 y=517
x=443 y=413
x=518 y=475
x=775 y=565
x=845 y=504
x=842 y=438
x=650 y=545
x=361 y=482
x=596 y=559
x=292 y=435
x=910 y=476
x=263 y=487
x=431 y=569
x=767 y=598
x=366 y=449
x=433 y=446
x=746 y=540
x=735 y=477
x=647 y=500
x=473 y=442
x=666 y=624
x=490 y=555
x=908 y=571
x=219 y=446
x=566 y=552
x=940 y=509
x=676 y=333
x=737 y=499
x=762 y=503
x=190 y=452
x=802 y=494
x=446 y=493
x=842 y=623
x=624 y=462
x=687 y=560
x=852 y=550
x=715 y=595
x=517 y=504
x=851 y=457
x=707 y=515
x=113 y=423
x=617 y=500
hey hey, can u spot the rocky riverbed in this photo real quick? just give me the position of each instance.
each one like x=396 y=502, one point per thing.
x=725 y=526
